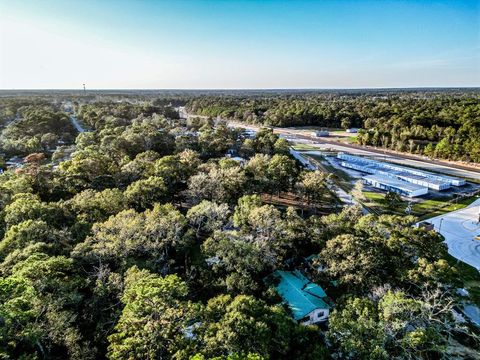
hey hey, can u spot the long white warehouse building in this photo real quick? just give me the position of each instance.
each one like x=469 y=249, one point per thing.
x=388 y=183
x=414 y=176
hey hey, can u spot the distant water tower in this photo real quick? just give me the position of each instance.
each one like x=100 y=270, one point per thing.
x=84 y=90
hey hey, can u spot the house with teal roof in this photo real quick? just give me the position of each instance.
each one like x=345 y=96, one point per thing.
x=307 y=301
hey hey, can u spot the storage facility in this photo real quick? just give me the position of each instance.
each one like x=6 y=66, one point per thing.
x=398 y=186
x=413 y=176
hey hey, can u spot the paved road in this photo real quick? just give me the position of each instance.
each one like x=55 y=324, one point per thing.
x=404 y=159
x=75 y=123
x=68 y=107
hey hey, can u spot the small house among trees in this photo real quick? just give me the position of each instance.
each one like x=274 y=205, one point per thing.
x=306 y=300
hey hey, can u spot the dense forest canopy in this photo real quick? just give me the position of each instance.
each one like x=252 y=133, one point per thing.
x=142 y=239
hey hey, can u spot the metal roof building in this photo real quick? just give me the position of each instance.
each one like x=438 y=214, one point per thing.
x=414 y=176
x=391 y=184
x=307 y=301
x=305 y=162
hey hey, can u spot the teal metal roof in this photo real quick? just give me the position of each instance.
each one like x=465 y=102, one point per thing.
x=300 y=294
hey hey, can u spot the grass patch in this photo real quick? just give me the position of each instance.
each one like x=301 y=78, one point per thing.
x=373 y=196
x=432 y=208
x=424 y=210
x=304 y=147
x=469 y=276
x=377 y=202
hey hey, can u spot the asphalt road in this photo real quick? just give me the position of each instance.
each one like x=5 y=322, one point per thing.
x=68 y=107
x=77 y=125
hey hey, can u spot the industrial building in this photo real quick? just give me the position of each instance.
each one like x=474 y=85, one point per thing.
x=398 y=172
x=431 y=176
x=305 y=162
x=401 y=175
x=401 y=187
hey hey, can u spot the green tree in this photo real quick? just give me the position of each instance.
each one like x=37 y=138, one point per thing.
x=394 y=325
x=283 y=172
x=313 y=184
x=37 y=303
x=357 y=191
x=257 y=171
x=31 y=232
x=29 y=207
x=87 y=168
x=208 y=216
x=128 y=238
x=143 y=194
x=95 y=206
x=246 y=325
x=246 y=204
x=392 y=199
x=140 y=167
x=221 y=185
x=281 y=146
x=356 y=330
x=353 y=260
x=154 y=318
x=236 y=260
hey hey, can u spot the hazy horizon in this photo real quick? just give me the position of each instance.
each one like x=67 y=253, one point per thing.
x=239 y=45
x=246 y=89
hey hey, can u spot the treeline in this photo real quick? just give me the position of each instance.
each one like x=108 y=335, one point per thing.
x=9 y=107
x=97 y=115
x=147 y=242
x=437 y=124
x=34 y=128
x=445 y=127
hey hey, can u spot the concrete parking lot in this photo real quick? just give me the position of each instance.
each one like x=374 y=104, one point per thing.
x=460 y=229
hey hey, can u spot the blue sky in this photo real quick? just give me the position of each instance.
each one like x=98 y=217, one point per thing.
x=239 y=44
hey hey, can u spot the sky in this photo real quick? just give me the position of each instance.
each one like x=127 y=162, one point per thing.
x=187 y=44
